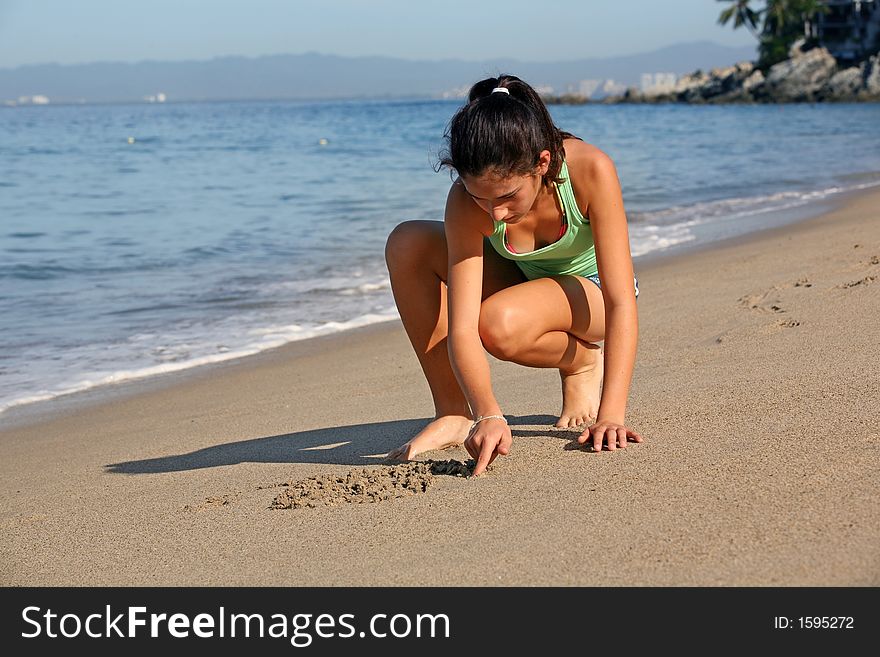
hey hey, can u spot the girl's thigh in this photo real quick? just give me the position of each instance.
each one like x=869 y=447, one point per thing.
x=416 y=246
x=561 y=303
x=499 y=273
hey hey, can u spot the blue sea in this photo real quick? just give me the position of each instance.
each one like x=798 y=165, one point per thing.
x=141 y=239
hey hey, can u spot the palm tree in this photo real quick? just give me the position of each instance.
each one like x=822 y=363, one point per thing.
x=741 y=14
x=785 y=22
x=782 y=22
x=790 y=15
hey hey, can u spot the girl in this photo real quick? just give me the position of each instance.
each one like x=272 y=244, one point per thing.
x=532 y=263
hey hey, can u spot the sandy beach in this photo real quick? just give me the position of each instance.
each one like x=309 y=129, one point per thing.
x=757 y=389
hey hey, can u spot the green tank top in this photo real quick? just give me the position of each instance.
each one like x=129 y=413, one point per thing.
x=573 y=253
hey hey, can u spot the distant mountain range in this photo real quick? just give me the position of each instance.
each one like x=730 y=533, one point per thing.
x=317 y=76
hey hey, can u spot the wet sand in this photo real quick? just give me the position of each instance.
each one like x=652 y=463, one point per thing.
x=757 y=388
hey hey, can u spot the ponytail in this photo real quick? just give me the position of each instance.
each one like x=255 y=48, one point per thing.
x=502 y=133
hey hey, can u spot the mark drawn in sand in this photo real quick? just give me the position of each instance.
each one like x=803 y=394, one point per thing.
x=213 y=502
x=366 y=485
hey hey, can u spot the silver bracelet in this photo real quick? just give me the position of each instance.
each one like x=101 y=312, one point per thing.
x=480 y=418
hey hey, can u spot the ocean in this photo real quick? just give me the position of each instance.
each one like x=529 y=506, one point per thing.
x=142 y=239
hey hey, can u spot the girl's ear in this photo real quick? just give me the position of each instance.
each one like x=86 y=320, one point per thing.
x=543 y=162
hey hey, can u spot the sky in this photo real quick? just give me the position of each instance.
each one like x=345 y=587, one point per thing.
x=82 y=31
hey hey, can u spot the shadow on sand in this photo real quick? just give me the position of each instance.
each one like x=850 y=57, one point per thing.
x=356 y=445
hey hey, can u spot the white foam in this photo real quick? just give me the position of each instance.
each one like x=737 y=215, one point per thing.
x=743 y=206
x=658 y=230
x=267 y=338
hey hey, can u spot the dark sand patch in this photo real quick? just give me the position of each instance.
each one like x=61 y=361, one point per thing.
x=367 y=485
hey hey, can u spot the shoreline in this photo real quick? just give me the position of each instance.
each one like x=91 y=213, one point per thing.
x=755 y=389
x=29 y=413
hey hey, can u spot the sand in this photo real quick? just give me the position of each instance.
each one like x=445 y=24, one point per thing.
x=757 y=389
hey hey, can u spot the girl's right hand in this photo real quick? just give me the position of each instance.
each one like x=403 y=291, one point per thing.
x=612 y=434
x=486 y=441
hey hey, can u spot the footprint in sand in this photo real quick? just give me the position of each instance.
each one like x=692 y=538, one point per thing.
x=867 y=280
x=760 y=303
x=367 y=485
x=770 y=301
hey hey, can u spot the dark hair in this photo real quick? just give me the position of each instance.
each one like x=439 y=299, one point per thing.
x=502 y=133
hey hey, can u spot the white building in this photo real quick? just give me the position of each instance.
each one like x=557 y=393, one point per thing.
x=658 y=82
x=585 y=88
x=612 y=88
x=38 y=99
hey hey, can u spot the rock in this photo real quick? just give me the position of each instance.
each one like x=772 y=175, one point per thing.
x=728 y=82
x=753 y=82
x=633 y=95
x=687 y=89
x=798 y=79
x=796 y=49
x=843 y=85
x=870 y=70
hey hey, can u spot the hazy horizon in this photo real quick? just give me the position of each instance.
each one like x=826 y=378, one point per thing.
x=337 y=76
x=392 y=57
x=45 y=32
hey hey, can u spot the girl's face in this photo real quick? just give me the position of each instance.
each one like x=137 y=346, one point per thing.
x=509 y=198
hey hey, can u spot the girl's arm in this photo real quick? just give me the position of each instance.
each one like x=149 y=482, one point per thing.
x=464 y=240
x=611 y=237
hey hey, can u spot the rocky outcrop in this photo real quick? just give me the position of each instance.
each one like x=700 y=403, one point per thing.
x=798 y=79
x=808 y=75
x=843 y=84
x=720 y=83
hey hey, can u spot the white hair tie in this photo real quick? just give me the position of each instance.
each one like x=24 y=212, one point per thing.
x=502 y=90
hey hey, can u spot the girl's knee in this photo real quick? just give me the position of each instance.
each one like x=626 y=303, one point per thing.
x=409 y=241
x=501 y=330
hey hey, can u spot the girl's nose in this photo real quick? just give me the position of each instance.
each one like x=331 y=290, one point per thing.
x=499 y=212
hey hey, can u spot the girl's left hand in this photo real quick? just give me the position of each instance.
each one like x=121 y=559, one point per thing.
x=611 y=433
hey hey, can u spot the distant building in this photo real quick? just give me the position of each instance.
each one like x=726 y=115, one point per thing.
x=612 y=88
x=456 y=92
x=584 y=88
x=30 y=100
x=658 y=82
x=587 y=88
x=850 y=29
x=158 y=98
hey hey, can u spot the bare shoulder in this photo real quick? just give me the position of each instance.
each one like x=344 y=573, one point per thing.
x=591 y=171
x=586 y=161
x=462 y=211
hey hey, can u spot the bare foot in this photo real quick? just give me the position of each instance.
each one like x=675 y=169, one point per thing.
x=445 y=431
x=581 y=392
